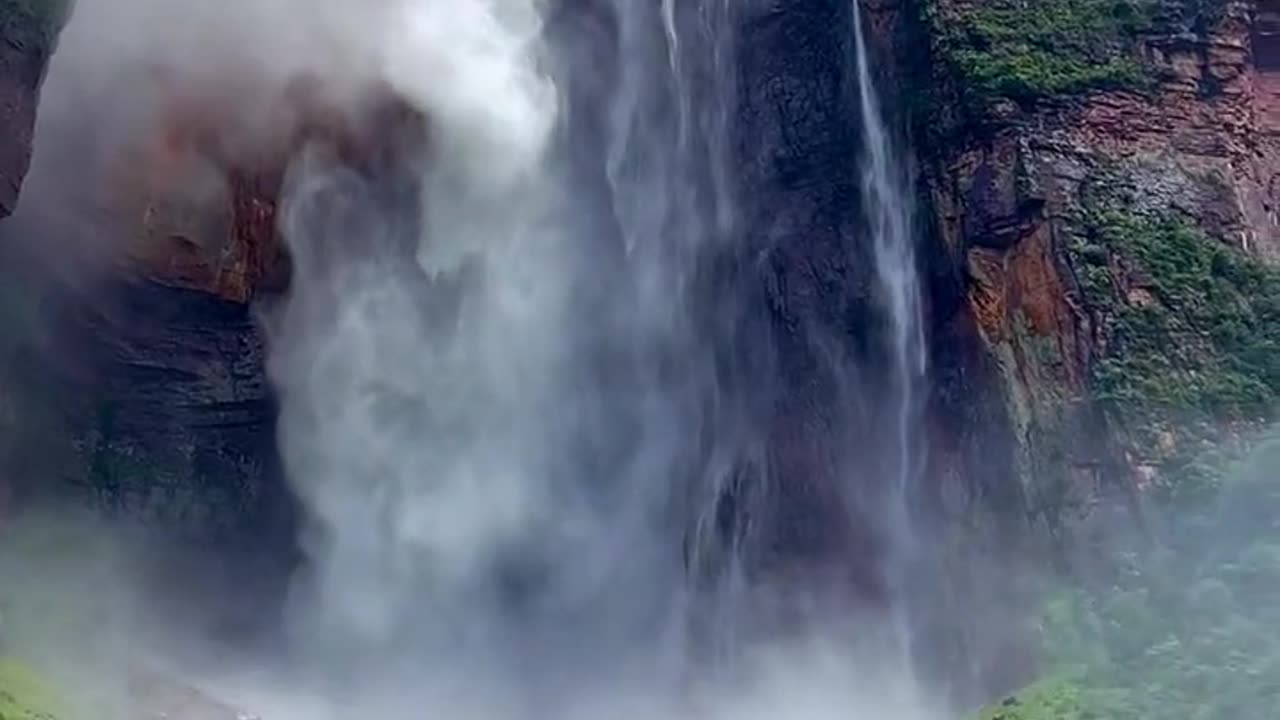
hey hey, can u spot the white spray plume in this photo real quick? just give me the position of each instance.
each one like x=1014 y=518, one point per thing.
x=471 y=67
x=423 y=452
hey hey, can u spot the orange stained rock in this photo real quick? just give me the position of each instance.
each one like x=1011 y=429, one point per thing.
x=198 y=194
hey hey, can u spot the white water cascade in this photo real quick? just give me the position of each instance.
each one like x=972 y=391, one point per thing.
x=509 y=509
x=888 y=198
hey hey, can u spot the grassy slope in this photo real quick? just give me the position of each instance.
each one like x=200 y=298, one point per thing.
x=23 y=695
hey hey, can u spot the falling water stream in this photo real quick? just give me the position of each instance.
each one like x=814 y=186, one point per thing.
x=524 y=495
x=888 y=199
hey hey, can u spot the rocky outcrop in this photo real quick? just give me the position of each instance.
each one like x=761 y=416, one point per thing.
x=26 y=43
x=138 y=380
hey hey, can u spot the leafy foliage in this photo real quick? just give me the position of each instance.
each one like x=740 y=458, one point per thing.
x=1190 y=328
x=1032 y=51
x=1210 y=340
x=1183 y=628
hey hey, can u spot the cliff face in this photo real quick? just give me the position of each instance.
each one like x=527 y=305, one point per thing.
x=176 y=422
x=135 y=363
x=1104 y=183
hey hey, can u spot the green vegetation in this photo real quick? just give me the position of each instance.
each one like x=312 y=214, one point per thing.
x=23 y=695
x=1032 y=51
x=1178 y=620
x=1191 y=331
x=1182 y=627
x=1057 y=698
x=1208 y=340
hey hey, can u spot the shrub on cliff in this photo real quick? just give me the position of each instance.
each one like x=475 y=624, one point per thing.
x=1189 y=331
x=1210 y=339
x=1033 y=51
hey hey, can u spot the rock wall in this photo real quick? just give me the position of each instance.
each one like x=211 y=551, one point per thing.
x=134 y=353
x=1055 y=137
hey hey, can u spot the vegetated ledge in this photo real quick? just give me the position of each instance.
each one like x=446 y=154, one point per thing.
x=996 y=59
x=1050 y=48
x=1187 y=336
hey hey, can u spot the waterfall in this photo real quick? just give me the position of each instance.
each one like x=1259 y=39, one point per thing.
x=496 y=419
x=528 y=412
x=888 y=199
x=669 y=177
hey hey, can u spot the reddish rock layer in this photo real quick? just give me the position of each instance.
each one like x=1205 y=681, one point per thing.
x=173 y=419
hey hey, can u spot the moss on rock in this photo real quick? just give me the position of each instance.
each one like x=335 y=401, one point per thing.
x=1189 y=337
x=1034 y=51
x=1205 y=336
